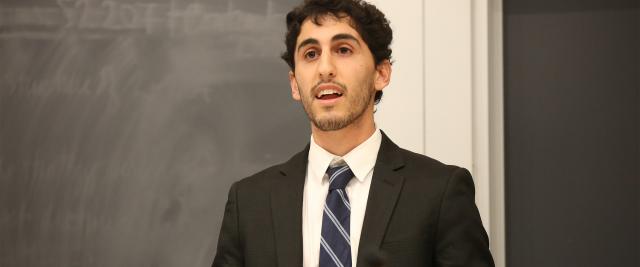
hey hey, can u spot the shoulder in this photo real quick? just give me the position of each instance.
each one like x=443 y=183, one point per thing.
x=416 y=168
x=252 y=192
x=294 y=167
x=262 y=177
x=419 y=163
x=421 y=170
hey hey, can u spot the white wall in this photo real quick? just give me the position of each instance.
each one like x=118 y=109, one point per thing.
x=445 y=96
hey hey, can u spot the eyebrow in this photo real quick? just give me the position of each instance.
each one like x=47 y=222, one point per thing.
x=345 y=36
x=337 y=37
x=308 y=42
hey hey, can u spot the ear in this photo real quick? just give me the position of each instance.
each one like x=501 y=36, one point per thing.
x=295 y=93
x=383 y=75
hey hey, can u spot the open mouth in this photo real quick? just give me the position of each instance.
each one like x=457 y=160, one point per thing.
x=328 y=94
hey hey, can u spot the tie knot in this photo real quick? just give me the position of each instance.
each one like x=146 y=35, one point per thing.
x=339 y=176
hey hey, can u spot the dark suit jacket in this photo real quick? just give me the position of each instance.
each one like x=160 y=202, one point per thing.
x=420 y=212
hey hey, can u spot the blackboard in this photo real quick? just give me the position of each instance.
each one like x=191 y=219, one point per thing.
x=572 y=133
x=123 y=123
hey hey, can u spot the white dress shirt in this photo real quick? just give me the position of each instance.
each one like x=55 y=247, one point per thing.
x=361 y=161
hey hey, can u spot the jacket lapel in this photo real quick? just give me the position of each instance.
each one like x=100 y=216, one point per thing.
x=386 y=185
x=286 y=209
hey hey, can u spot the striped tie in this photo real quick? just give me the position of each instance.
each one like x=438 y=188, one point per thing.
x=335 y=245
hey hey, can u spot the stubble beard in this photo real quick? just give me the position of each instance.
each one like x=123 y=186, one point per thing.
x=357 y=107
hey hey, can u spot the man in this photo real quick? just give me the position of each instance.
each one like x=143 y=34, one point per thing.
x=351 y=197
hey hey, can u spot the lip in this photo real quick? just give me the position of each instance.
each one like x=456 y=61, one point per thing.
x=328 y=102
x=328 y=86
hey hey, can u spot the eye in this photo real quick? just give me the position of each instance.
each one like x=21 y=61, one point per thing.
x=311 y=54
x=343 y=50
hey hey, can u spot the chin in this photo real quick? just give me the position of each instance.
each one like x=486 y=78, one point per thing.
x=331 y=123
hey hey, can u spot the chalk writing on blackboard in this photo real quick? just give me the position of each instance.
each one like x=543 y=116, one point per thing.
x=101 y=17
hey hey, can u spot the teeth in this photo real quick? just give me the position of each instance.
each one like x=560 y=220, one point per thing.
x=328 y=92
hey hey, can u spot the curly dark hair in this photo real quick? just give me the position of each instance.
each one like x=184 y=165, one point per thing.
x=365 y=18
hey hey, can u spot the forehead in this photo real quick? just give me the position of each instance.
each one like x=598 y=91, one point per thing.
x=327 y=26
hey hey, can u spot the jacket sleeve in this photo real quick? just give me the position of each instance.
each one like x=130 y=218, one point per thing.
x=461 y=238
x=229 y=252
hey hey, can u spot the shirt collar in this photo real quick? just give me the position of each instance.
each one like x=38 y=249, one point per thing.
x=361 y=159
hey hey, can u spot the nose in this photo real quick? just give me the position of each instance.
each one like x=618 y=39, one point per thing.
x=326 y=67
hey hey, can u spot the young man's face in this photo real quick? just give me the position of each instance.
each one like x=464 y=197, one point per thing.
x=335 y=77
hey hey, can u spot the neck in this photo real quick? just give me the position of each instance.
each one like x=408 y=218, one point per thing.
x=340 y=142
